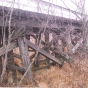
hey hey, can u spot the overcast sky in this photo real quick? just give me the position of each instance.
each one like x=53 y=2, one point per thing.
x=33 y=5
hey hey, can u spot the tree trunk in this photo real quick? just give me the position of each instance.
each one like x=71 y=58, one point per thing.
x=0 y=66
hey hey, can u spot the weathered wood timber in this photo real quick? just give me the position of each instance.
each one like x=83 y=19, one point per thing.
x=30 y=33
x=11 y=47
x=43 y=52
x=23 y=47
x=21 y=69
x=19 y=56
x=47 y=49
x=16 y=68
x=33 y=19
x=36 y=63
x=16 y=56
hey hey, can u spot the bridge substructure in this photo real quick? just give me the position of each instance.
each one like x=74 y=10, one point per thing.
x=53 y=38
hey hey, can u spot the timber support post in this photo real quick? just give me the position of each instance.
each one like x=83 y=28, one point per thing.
x=47 y=49
x=23 y=48
x=36 y=63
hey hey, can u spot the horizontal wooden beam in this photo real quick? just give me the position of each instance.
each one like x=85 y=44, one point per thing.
x=23 y=14
x=16 y=55
x=34 y=23
x=39 y=68
x=43 y=52
x=22 y=70
x=16 y=68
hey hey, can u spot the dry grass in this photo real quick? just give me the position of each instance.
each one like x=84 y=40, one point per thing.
x=67 y=77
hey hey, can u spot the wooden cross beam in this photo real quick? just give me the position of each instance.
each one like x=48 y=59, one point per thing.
x=11 y=47
x=43 y=52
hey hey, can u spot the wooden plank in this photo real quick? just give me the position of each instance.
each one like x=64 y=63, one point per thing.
x=63 y=56
x=43 y=52
x=11 y=47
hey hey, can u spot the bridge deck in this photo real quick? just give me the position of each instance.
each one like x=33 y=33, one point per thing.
x=27 y=18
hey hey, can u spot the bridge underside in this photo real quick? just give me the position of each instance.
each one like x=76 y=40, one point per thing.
x=51 y=38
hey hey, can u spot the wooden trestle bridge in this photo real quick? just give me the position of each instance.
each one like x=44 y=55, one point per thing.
x=50 y=35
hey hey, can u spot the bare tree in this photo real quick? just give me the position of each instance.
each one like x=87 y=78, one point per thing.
x=9 y=40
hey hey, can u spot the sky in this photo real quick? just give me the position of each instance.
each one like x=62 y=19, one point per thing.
x=52 y=9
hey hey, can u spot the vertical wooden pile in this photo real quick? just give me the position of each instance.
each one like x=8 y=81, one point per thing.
x=0 y=66
x=38 y=35
x=23 y=47
x=55 y=45
x=47 y=48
